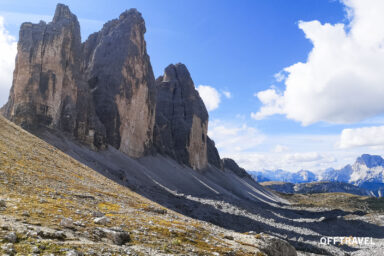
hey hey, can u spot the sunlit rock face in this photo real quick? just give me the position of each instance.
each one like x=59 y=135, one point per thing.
x=102 y=91
x=48 y=88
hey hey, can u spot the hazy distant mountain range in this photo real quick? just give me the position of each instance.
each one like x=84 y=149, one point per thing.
x=315 y=187
x=367 y=173
x=285 y=176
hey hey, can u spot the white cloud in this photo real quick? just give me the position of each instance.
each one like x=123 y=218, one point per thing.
x=342 y=80
x=230 y=137
x=8 y=48
x=280 y=148
x=313 y=161
x=360 y=137
x=227 y=94
x=248 y=147
x=210 y=96
x=303 y=157
x=272 y=104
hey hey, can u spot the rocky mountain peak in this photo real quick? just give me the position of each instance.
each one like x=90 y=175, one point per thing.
x=231 y=165
x=103 y=91
x=370 y=161
x=120 y=76
x=48 y=88
x=178 y=72
x=63 y=13
x=132 y=14
x=306 y=176
x=181 y=118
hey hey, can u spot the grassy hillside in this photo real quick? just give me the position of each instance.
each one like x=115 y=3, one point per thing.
x=51 y=202
x=342 y=201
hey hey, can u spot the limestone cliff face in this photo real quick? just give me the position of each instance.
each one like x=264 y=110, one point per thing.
x=181 y=118
x=103 y=91
x=120 y=76
x=48 y=88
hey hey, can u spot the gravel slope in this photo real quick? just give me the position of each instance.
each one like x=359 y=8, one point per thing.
x=50 y=204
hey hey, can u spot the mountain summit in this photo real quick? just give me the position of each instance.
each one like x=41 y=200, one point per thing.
x=103 y=91
x=370 y=161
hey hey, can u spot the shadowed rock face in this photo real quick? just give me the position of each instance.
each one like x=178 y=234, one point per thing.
x=120 y=76
x=213 y=154
x=48 y=88
x=181 y=118
x=231 y=165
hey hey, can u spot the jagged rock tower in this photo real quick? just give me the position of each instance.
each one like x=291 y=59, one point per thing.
x=181 y=118
x=120 y=76
x=103 y=91
x=48 y=88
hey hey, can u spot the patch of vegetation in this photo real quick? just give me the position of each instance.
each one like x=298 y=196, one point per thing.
x=375 y=204
x=342 y=201
x=108 y=207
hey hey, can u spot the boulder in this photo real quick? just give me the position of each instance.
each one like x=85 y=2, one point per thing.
x=67 y=223
x=274 y=246
x=3 y=204
x=101 y=220
x=117 y=236
x=11 y=237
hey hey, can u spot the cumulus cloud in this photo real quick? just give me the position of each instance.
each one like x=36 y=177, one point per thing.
x=230 y=137
x=361 y=137
x=342 y=80
x=211 y=96
x=247 y=146
x=313 y=161
x=272 y=104
x=8 y=47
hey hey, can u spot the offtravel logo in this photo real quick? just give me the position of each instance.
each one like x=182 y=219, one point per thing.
x=346 y=240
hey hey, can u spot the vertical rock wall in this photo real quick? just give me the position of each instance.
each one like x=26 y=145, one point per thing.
x=48 y=88
x=120 y=76
x=181 y=118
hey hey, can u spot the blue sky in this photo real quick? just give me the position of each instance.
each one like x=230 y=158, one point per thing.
x=234 y=49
